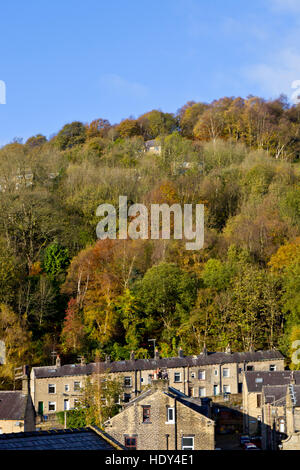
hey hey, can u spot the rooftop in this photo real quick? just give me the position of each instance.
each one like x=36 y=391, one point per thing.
x=257 y=380
x=209 y=358
x=90 y=438
x=12 y=405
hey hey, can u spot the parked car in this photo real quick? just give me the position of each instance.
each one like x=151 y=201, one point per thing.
x=250 y=446
x=256 y=440
x=244 y=439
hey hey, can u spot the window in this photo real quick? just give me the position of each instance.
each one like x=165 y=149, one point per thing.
x=170 y=415
x=67 y=388
x=131 y=443
x=142 y=380
x=127 y=381
x=177 y=377
x=52 y=406
x=1 y=431
x=226 y=373
x=127 y=397
x=258 y=400
x=216 y=390
x=226 y=388
x=193 y=375
x=240 y=387
x=216 y=372
x=250 y=368
x=51 y=388
x=76 y=402
x=202 y=392
x=187 y=443
x=146 y=414
x=66 y=404
x=77 y=386
x=201 y=375
x=272 y=367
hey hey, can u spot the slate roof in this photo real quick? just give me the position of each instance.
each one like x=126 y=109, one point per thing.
x=256 y=380
x=275 y=394
x=69 y=439
x=210 y=358
x=151 y=143
x=12 y=405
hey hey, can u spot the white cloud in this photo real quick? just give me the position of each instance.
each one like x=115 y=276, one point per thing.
x=116 y=84
x=277 y=75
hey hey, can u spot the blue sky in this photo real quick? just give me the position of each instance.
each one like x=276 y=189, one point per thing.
x=79 y=60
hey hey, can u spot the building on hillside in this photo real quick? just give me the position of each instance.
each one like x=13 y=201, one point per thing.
x=90 y=438
x=281 y=416
x=17 y=412
x=162 y=418
x=57 y=388
x=265 y=405
x=153 y=146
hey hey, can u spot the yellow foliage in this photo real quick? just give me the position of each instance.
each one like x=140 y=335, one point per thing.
x=285 y=256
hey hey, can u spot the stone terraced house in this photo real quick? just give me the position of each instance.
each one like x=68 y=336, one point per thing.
x=209 y=374
x=162 y=418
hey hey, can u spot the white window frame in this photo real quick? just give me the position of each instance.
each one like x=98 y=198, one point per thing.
x=50 y=403
x=170 y=421
x=177 y=374
x=193 y=375
x=216 y=372
x=67 y=387
x=227 y=371
x=272 y=367
x=51 y=385
x=201 y=374
x=75 y=388
x=66 y=401
x=227 y=386
x=130 y=380
x=204 y=394
x=187 y=447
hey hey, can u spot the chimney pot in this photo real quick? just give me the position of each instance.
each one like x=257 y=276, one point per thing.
x=156 y=354
x=58 y=361
x=132 y=356
x=180 y=352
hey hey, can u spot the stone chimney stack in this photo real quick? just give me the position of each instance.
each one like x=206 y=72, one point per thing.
x=156 y=354
x=132 y=356
x=180 y=352
x=292 y=380
x=160 y=384
x=204 y=350
x=26 y=381
x=82 y=360
x=228 y=350
x=58 y=361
